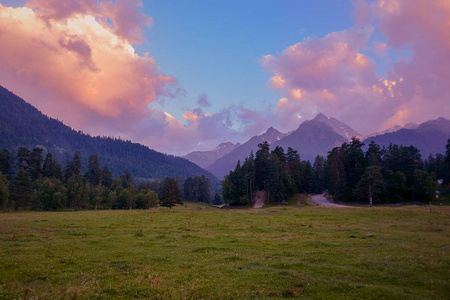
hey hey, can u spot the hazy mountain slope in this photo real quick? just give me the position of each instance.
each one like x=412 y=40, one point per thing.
x=222 y=166
x=205 y=158
x=21 y=124
x=310 y=139
x=429 y=137
x=392 y=129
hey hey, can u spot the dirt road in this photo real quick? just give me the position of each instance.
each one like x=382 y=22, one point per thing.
x=320 y=200
x=259 y=199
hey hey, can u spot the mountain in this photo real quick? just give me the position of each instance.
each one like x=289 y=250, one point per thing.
x=339 y=127
x=205 y=158
x=393 y=129
x=21 y=124
x=223 y=165
x=312 y=138
x=429 y=137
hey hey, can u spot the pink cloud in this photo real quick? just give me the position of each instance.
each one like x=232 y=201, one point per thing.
x=123 y=17
x=77 y=69
x=74 y=67
x=334 y=76
x=422 y=79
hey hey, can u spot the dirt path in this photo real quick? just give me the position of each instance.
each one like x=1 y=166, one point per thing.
x=320 y=200
x=259 y=199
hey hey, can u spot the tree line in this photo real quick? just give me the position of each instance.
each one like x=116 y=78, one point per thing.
x=29 y=181
x=389 y=174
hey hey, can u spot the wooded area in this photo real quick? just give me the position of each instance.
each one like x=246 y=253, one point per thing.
x=30 y=182
x=392 y=174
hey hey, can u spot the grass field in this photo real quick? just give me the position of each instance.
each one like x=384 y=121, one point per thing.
x=194 y=252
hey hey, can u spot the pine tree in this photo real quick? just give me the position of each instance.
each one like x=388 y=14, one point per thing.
x=248 y=169
x=171 y=193
x=319 y=174
x=446 y=169
x=278 y=174
x=370 y=186
x=262 y=167
x=188 y=189
x=373 y=154
x=21 y=189
x=74 y=166
x=423 y=186
x=6 y=163
x=107 y=177
x=217 y=199
x=295 y=168
x=35 y=163
x=23 y=155
x=335 y=171
x=4 y=192
x=94 y=173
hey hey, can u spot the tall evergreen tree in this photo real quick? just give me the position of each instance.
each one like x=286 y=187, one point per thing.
x=423 y=186
x=77 y=192
x=204 y=190
x=308 y=177
x=49 y=168
x=336 y=171
x=189 y=189
x=370 y=186
x=74 y=166
x=447 y=163
x=217 y=199
x=319 y=174
x=248 y=169
x=395 y=189
x=94 y=173
x=6 y=163
x=21 y=189
x=4 y=192
x=35 y=163
x=295 y=168
x=262 y=168
x=107 y=177
x=373 y=154
x=23 y=155
x=355 y=165
x=278 y=176
x=171 y=193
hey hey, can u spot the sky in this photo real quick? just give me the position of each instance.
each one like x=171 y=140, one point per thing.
x=179 y=76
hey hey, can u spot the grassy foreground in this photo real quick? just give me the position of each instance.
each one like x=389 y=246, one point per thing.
x=195 y=252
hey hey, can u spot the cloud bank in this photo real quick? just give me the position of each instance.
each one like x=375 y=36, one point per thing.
x=334 y=74
x=75 y=61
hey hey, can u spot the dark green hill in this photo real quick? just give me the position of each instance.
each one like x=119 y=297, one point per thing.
x=21 y=124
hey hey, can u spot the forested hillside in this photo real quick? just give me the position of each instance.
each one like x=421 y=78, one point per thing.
x=21 y=124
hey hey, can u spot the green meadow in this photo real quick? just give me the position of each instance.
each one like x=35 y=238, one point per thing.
x=200 y=252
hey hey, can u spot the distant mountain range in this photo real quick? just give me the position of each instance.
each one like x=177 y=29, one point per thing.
x=320 y=135
x=21 y=124
x=227 y=162
x=429 y=137
x=206 y=158
x=392 y=129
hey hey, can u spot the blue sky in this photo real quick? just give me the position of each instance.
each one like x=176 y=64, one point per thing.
x=214 y=47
